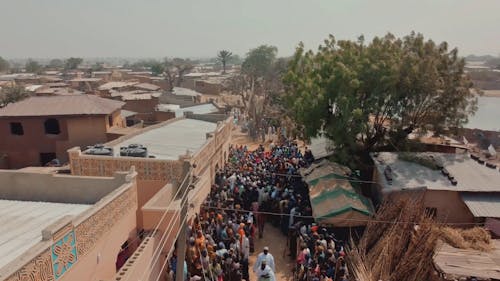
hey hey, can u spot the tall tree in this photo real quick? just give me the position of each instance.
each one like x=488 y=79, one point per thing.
x=12 y=94
x=259 y=61
x=260 y=82
x=98 y=66
x=32 y=66
x=157 y=68
x=223 y=57
x=4 y=65
x=174 y=70
x=364 y=96
x=72 y=63
x=56 y=63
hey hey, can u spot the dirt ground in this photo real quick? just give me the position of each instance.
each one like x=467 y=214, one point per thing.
x=276 y=242
x=239 y=138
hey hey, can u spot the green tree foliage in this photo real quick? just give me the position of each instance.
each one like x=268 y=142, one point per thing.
x=56 y=63
x=98 y=66
x=260 y=82
x=235 y=60
x=32 y=66
x=381 y=91
x=4 y=65
x=493 y=62
x=259 y=61
x=72 y=63
x=223 y=57
x=12 y=94
x=157 y=68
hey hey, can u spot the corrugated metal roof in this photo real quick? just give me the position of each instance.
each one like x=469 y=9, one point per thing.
x=197 y=109
x=127 y=113
x=466 y=263
x=61 y=105
x=320 y=147
x=173 y=139
x=117 y=84
x=470 y=175
x=484 y=205
x=185 y=92
x=23 y=221
x=147 y=86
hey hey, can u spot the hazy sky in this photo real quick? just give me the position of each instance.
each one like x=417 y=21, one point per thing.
x=189 y=28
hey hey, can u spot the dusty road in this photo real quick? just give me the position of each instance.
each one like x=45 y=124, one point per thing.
x=277 y=244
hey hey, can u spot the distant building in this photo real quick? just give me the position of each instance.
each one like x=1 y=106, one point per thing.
x=85 y=84
x=39 y=129
x=208 y=83
x=456 y=188
x=141 y=102
x=66 y=228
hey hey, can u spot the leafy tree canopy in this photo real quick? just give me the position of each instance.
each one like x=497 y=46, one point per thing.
x=259 y=61
x=157 y=68
x=98 y=66
x=4 y=65
x=56 y=63
x=72 y=63
x=380 y=91
x=12 y=94
x=32 y=66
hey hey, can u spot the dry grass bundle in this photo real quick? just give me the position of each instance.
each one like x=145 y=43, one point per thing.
x=400 y=250
x=476 y=238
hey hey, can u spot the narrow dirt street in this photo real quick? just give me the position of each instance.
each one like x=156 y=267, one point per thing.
x=277 y=247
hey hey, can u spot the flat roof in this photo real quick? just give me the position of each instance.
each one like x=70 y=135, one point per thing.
x=23 y=221
x=173 y=139
x=470 y=175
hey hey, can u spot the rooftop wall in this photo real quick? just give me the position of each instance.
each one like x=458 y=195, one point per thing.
x=28 y=186
x=71 y=246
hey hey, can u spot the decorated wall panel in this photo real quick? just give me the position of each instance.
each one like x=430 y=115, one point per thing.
x=147 y=169
x=38 y=269
x=93 y=228
x=64 y=254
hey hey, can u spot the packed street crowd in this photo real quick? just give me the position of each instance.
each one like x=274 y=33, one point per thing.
x=255 y=188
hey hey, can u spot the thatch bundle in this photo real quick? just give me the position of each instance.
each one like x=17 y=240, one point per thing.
x=476 y=238
x=397 y=245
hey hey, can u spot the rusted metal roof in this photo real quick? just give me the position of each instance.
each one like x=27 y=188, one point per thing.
x=61 y=105
x=457 y=263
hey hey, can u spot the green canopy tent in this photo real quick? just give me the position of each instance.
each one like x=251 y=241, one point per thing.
x=334 y=200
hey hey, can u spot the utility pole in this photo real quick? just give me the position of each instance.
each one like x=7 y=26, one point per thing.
x=181 y=240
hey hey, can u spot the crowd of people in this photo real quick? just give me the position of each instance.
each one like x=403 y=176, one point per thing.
x=255 y=188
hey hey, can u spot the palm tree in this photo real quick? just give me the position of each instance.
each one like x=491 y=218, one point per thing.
x=223 y=56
